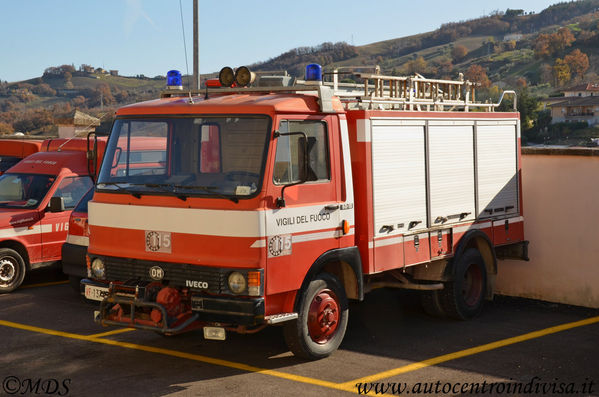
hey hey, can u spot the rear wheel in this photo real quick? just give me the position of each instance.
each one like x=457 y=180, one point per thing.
x=431 y=303
x=12 y=270
x=323 y=314
x=463 y=297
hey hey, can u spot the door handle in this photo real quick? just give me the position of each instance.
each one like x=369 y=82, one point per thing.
x=331 y=207
x=413 y=224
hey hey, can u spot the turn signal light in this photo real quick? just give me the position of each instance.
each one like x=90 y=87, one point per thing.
x=88 y=263
x=254 y=287
x=346 y=226
x=254 y=279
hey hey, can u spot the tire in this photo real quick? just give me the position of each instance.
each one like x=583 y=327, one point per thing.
x=463 y=298
x=12 y=270
x=431 y=303
x=323 y=314
x=75 y=283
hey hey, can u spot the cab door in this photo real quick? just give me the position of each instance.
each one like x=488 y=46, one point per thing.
x=55 y=225
x=303 y=220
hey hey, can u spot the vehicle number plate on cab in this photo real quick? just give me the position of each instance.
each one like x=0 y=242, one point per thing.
x=95 y=293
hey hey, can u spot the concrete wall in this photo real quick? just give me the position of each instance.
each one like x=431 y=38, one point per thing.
x=561 y=221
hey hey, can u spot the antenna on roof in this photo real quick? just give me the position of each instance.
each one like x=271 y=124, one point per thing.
x=184 y=44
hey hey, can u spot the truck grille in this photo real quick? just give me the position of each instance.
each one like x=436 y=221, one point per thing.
x=177 y=274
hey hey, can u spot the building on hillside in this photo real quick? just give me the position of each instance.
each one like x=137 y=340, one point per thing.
x=87 y=69
x=579 y=103
x=574 y=108
x=76 y=123
x=582 y=90
x=114 y=72
x=512 y=36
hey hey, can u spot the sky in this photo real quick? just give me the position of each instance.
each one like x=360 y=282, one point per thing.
x=146 y=36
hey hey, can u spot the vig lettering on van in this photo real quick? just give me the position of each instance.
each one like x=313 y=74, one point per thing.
x=196 y=284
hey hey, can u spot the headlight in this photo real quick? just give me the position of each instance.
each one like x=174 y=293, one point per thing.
x=98 y=268
x=237 y=282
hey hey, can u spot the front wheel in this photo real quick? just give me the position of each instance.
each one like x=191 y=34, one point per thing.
x=323 y=314
x=12 y=270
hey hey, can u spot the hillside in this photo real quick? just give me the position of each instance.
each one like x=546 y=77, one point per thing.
x=542 y=52
x=503 y=43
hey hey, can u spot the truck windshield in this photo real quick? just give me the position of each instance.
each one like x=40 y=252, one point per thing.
x=24 y=190
x=8 y=161
x=222 y=157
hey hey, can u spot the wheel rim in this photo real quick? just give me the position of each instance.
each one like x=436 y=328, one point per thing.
x=8 y=270
x=323 y=317
x=472 y=285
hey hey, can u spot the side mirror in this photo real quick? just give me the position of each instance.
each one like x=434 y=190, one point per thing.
x=56 y=204
x=303 y=161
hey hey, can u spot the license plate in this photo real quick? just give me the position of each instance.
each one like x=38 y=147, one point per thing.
x=214 y=333
x=95 y=293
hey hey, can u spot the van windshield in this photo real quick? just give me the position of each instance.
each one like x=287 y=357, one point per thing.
x=24 y=190
x=8 y=161
x=214 y=156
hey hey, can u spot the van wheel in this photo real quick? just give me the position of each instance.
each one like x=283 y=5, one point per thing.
x=12 y=270
x=463 y=297
x=431 y=303
x=323 y=314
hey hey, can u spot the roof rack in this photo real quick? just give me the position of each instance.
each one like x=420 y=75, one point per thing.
x=409 y=92
x=375 y=92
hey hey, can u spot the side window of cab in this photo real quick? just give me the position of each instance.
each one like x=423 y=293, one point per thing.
x=289 y=150
x=71 y=189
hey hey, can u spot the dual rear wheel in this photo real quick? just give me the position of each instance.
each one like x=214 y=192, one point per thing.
x=323 y=310
x=464 y=296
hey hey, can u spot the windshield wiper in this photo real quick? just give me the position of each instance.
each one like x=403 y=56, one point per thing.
x=164 y=188
x=120 y=188
x=210 y=189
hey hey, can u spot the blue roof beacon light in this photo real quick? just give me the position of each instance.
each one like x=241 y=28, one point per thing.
x=173 y=80
x=313 y=74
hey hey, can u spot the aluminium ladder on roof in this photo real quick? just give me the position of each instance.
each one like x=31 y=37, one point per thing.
x=410 y=93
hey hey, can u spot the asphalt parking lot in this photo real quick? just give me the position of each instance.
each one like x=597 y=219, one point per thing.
x=51 y=346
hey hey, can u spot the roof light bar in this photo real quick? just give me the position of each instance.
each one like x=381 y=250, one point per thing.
x=173 y=80
x=314 y=72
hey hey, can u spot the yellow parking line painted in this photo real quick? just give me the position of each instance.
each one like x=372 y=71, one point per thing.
x=346 y=386
x=174 y=353
x=471 y=351
x=113 y=332
x=44 y=284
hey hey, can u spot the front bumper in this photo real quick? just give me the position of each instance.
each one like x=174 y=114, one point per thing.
x=131 y=305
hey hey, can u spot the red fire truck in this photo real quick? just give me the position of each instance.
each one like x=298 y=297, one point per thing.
x=279 y=200
x=36 y=199
x=13 y=150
